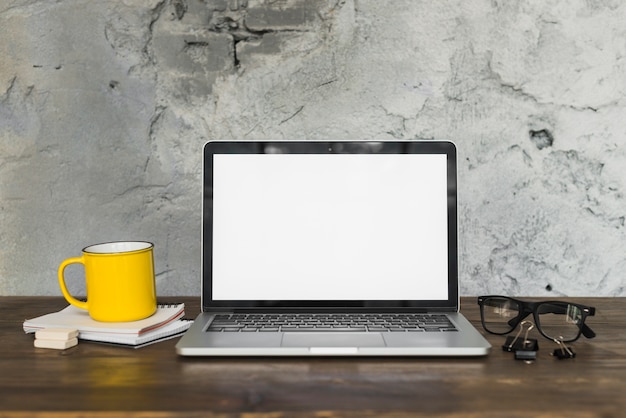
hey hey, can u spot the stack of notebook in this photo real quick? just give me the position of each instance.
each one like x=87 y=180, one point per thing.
x=166 y=323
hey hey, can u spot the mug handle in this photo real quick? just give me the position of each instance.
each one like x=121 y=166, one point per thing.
x=71 y=299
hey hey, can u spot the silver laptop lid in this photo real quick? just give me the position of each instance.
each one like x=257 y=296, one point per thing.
x=333 y=226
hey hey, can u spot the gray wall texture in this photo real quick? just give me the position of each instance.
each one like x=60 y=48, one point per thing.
x=105 y=106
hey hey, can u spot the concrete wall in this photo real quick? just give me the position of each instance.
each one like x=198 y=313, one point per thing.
x=104 y=108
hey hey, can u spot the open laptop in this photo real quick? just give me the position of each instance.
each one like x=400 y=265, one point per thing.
x=330 y=248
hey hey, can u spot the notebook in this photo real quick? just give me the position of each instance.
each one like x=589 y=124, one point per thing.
x=340 y=248
x=165 y=323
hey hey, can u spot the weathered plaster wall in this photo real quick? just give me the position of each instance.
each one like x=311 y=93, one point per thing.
x=104 y=108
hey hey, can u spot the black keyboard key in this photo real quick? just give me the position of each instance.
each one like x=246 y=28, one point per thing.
x=324 y=329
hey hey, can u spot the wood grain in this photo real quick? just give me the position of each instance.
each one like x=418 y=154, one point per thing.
x=100 y=380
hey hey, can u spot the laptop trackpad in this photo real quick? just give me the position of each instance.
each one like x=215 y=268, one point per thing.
x=332 y=339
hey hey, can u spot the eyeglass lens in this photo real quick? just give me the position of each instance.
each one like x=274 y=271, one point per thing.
x=500 y=314
x=557 y=320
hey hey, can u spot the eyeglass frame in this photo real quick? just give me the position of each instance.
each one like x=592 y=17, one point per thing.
x=526 y=308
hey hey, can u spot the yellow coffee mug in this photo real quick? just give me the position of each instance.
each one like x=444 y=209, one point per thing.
x=120 y=281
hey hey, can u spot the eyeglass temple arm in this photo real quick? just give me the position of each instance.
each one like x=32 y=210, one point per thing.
x=587 y=332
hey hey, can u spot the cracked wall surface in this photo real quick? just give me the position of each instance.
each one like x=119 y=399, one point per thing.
x=105 y=106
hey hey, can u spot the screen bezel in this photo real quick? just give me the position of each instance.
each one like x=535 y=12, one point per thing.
x=328 y=147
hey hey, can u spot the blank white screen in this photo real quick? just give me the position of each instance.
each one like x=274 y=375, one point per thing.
x=330 y=227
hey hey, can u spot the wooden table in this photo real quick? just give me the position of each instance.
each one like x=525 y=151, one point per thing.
x=98 y=380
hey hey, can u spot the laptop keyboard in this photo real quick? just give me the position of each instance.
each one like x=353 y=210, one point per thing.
x=331 y=322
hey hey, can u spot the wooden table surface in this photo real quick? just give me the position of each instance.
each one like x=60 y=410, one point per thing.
x=98 y=380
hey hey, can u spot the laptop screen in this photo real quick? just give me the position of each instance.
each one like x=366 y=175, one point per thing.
x=329 y=224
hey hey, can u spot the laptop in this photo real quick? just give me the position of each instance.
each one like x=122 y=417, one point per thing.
x=330 y=248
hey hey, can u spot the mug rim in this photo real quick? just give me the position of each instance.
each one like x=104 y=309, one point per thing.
x=118 y=247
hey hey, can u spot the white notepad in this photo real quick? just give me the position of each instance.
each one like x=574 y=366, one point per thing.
x=73 y=317
x=165 y=323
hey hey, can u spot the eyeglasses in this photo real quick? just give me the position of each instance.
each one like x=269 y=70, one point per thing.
x=555 y=320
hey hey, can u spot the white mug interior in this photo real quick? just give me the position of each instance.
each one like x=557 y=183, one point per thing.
x=117 y=247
